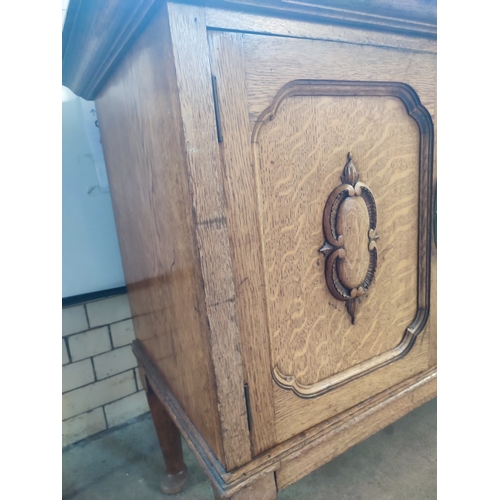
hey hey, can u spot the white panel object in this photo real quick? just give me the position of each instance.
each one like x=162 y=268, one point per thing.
x=67 y=94
x=91 y=255
x=94 y=137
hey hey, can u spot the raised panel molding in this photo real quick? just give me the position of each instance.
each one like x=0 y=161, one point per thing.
x=274 y=191
x=424 y=121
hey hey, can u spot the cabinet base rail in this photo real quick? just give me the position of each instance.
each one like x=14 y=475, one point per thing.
x=291 y=460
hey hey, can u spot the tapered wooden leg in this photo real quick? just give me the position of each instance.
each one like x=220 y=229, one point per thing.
x=170 y=443
x=262 y=489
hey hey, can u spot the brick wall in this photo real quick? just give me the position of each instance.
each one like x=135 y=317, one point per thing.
x=100 y=384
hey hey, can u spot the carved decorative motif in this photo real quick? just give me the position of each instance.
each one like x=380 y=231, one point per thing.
x=335 y=247
x=343 y=216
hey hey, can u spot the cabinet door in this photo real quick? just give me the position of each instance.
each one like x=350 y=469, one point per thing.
x=328 y=152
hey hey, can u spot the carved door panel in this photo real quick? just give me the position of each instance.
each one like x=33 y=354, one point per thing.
x=328 y=152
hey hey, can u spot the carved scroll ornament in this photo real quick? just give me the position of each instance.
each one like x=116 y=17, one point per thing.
x=349 y=226
x=347 y=266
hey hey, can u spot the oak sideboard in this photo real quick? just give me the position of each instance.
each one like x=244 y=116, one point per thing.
x=273 y=178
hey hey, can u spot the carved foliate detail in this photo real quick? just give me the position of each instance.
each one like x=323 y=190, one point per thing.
x=340 y=244
x=350 y=175
x=349 y=226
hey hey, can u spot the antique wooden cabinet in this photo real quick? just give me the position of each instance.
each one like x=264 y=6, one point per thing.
x=272 y=174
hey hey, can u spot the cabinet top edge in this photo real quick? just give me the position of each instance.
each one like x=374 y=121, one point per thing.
x=97 y=33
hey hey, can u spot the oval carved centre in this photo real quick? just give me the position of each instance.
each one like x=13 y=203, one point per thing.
x=353 y=223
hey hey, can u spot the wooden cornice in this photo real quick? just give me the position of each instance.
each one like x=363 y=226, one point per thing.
x=410 y=16
x=97 y=32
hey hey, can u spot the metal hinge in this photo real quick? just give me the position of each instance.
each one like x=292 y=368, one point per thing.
x=216 y=106
x=247 y=402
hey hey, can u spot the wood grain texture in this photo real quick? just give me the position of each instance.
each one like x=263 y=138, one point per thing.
x=266 y=69
x=433 y=310
x=169 y=438
x=350 y=231
x=199 y=446
x=95 y=36
x=219 y=215
x=191 y=55
x=334 y=247
x=433 y=315
x=168 y=434
x=141 y=132
x=272 y=62
x=354 y=224
x=271 y=59
x=227 y=484
x=243 y=227
x=223 y=483
x=328 y=431
x=357 y=429
x=413 y=16
x=272 y=25
x=311 y=333
x=262 y=489
x=295 y=415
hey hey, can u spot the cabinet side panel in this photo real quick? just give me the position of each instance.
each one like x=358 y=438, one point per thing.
x=143 y=144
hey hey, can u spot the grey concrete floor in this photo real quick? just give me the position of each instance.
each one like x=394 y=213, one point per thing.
x=398 y=463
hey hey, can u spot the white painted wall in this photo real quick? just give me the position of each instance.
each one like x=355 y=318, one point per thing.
x=91 y=256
